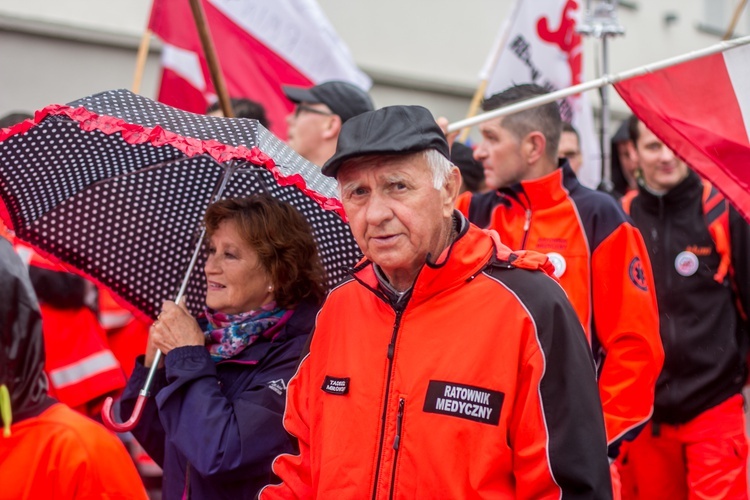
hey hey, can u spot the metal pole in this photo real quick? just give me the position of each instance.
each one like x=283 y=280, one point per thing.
x=107 y=417
x=606 y=146
x=601 y=23
x=597 y=83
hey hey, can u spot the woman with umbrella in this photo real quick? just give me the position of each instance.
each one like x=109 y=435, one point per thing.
x=215 y=423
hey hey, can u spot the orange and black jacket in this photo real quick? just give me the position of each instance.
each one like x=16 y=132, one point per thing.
x=477 y=383
x=602 y=263
x=689 y=238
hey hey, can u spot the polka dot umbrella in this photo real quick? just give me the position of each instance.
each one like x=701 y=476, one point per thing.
x=115 y=185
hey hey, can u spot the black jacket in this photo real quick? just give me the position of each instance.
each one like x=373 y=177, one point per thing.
x=702 y=334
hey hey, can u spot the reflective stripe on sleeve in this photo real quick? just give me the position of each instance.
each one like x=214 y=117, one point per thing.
x=85 y=368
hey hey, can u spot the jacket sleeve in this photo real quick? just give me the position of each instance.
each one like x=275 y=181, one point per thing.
x=149 y=431
x=58 y=288
x=217 y=436
x=557 y=428
x=626 y=324
x=739 y=234
x=295 y=470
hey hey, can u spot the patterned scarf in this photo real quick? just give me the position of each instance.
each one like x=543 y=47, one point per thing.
x=229 y=334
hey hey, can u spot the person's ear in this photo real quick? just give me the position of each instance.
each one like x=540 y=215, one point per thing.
x=533 y=146
x=450 y=191
x=332 y=127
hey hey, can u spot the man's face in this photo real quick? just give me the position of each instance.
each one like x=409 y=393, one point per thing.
x=306 y=126
x=570 y=149
x=500 y=154
x=396 y=214
x=662 y=170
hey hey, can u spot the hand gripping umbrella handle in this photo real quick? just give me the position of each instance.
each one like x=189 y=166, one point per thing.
x=109 y=418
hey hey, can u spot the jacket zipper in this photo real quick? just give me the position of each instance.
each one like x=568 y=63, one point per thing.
x=665 y=244
x=397 y=442
x=391 y=351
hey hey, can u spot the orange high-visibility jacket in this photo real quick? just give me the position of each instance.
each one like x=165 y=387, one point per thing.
x=63 y=455
x=602 y=263
x=480 y=384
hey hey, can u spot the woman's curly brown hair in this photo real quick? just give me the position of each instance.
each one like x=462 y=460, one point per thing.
x=283 y=241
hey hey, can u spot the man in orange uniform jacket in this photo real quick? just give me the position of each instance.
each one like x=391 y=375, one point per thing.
x=447 y=366
x=46 y=449
x=599 y=257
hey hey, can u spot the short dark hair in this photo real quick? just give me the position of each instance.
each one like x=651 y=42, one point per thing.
x=282 y=238
x=14 y=118
x=633 y=131
x=244 y=108
x=545 y=119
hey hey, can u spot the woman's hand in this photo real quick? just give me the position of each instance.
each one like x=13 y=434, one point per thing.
x=175 y=327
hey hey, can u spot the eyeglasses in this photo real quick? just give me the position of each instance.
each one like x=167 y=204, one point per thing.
x=304 y=107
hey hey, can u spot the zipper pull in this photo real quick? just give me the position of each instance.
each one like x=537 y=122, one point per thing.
x=399 y=422
x=527 y=224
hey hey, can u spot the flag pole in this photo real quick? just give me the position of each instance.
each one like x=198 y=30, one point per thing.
x=211 y=59
x=735 y=18
x=597 y=83
x=489 y=67
x=140 y=63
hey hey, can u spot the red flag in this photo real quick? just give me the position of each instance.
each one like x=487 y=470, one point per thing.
x=701 y=110
x=260 y=45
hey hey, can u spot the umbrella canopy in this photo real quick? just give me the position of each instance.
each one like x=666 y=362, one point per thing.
x=115 y=186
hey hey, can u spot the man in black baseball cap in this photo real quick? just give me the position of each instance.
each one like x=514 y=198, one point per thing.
x=443 y=340
x=315 y=123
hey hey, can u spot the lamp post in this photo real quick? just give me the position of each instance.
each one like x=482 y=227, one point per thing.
x=600 y=21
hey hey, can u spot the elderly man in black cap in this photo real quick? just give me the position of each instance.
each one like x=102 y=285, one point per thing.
x=447 y=366
x=315 y=123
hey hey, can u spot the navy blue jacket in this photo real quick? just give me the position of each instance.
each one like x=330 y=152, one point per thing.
x=219 y=424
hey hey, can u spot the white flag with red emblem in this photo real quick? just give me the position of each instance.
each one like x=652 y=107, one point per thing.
x=261 y=45
x=538 y=44
x=701 y=110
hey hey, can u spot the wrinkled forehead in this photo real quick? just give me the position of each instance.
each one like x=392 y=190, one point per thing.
x=386 y=165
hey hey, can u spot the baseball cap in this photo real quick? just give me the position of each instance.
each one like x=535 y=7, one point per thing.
x=344 y=99
x=389 y=130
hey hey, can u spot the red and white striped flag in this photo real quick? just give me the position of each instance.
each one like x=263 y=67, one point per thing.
x=261 y=45
x=701 y=110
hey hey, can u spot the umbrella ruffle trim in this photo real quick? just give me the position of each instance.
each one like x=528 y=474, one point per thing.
x=157 y=136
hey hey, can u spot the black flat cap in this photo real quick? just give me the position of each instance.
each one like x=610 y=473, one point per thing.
x=344 y=99
x=389 y=130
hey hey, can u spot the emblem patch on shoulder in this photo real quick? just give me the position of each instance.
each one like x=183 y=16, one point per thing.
x=464 y=401
x=637 y=274
x=337 y=386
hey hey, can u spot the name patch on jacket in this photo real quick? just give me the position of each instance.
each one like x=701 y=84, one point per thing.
x=464 y=401
x=338 y=386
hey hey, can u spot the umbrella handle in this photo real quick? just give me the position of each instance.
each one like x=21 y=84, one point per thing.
x=108 y=417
